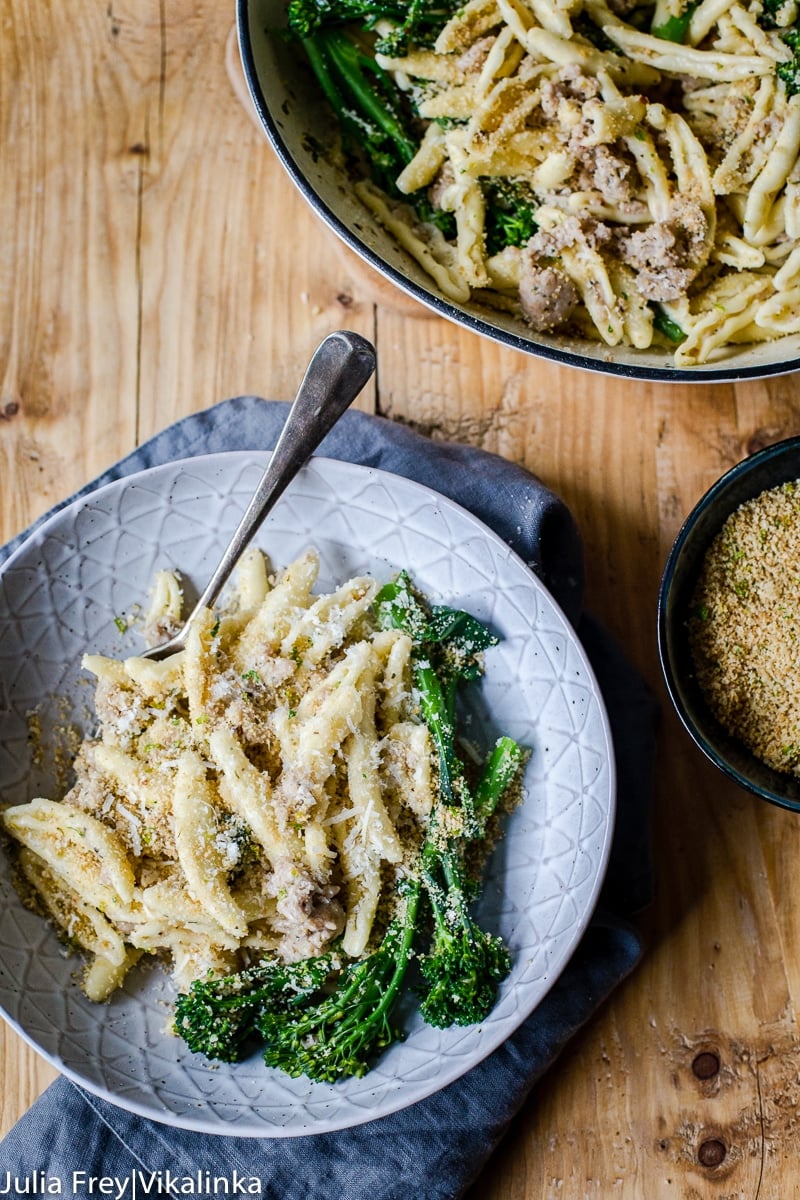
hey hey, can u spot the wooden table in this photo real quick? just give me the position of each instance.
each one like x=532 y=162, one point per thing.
x=155 y=259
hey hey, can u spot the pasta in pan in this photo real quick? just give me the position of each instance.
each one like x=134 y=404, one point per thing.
x=655 y=147
x=258 y=792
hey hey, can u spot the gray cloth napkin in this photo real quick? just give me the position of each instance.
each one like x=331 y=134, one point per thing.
x=435 y=1149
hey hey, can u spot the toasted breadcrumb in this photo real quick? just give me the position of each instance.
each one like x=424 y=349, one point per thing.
x=744 y=626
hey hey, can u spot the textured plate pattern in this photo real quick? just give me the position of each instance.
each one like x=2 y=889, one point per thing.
x=92 y=563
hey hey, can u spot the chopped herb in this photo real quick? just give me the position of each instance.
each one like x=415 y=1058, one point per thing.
x=675 y=28
x=666 y=325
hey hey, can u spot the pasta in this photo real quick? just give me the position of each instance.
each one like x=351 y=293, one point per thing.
x=655 y=145
x=259 y=792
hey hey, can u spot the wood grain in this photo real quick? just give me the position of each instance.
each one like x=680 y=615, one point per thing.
x=155 y=259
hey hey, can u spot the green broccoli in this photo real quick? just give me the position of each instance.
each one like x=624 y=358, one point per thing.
x=369 y=109
x=770 y=16
x=329 y=1021
x=217 y=1017
x=499 y=773
x=510 y=213
x=340 y=1035
x=789 y=72
x=448 y=647
x=378 y=122
x=464 y=964
x=414 y=21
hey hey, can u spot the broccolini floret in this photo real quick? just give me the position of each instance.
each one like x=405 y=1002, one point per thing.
x=510 y=213
x=776 y=14
x=217 y=1017
x=789 y=72
x=417 y=21
x=448 y=647
x=465 y=964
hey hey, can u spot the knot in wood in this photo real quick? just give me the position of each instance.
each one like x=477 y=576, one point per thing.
x=705 y=1065
x=711 y=1152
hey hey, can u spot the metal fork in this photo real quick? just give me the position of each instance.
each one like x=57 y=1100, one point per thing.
x=337 y=372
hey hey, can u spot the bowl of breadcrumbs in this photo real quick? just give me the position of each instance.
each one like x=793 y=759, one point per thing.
x=729 y=623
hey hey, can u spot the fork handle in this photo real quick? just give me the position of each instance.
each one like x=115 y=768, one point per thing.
x=338 y=370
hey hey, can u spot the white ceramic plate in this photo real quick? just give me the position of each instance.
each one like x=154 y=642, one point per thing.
x=288 y=104
x=93 y=562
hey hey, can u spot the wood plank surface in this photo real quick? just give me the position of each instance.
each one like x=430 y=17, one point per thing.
x=154 y=260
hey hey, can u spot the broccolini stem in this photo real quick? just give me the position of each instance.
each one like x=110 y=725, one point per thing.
x=351 y=63
x=320 y=66
x=364 y=979
x=452 y=879
x=498 y=775
x=437 y=718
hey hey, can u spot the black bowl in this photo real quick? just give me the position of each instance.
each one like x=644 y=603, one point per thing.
x=768 y=468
